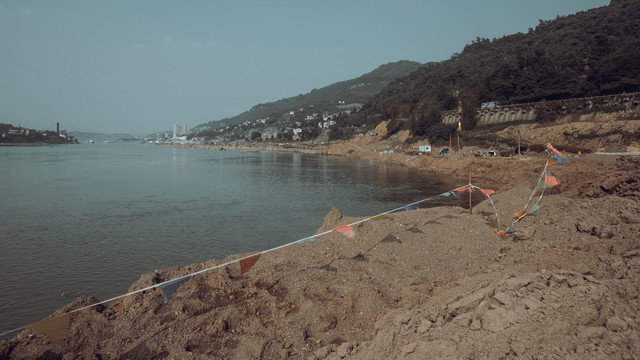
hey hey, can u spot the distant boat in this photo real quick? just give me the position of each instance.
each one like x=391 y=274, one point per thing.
x=91 y=141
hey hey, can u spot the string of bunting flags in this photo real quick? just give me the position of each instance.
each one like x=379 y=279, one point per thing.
x=55 y=327
x=546 y=181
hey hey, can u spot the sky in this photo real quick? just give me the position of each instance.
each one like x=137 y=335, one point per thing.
x=139 y=66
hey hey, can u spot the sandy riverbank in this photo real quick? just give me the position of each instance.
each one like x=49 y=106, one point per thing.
x=430 y=283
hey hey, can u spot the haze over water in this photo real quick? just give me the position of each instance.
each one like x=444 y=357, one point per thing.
x=90 y=219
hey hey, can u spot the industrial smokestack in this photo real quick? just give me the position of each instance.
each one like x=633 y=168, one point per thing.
x=58 y=128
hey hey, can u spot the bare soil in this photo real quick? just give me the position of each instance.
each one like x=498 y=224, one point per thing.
x=428 y=283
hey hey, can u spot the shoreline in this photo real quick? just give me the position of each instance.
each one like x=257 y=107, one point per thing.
x=430 y=282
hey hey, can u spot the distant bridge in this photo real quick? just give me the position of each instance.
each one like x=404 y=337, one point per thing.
x=629 y=102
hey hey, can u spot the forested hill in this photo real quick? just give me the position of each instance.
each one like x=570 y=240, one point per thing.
x=358 y=90
x=594 y=52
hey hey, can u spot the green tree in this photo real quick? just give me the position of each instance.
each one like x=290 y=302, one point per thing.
x=426 y=115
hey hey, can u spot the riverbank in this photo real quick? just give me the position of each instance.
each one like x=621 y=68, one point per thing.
x=429 y=283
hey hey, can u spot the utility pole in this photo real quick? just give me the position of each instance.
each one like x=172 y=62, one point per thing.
x=459 y=115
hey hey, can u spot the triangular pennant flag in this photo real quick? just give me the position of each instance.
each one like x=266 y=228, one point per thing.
x=409 y=207
x=500 y=233
x=312 y=240
x=463 y=189
x=171 y=286
x=560 y=159
x=553 y=150
x=551 y=162
x=247 y=263
x=552 y=180
x=511 y=230
x=446 y=194
x=519 y=214
x=347 y=230
x=534 y=210
x=487 y=192
x=54 y=328
x=542 y=185
x=382 y=217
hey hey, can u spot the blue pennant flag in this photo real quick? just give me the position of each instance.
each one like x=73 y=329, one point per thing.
x=560 y=159
x=306 y=240
x=406 y=208
x=171 y=286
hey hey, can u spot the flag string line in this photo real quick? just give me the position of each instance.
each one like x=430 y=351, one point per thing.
x=554 y=157
x=526 y=206
x=469 y=187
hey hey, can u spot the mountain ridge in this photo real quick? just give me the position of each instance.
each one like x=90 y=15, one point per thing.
x=357 y=90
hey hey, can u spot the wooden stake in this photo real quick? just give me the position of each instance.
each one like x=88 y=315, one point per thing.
x=518 y=142
x=449 y=141
x=470 y=212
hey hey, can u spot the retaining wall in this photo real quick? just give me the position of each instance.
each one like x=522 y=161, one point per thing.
x=532 y=111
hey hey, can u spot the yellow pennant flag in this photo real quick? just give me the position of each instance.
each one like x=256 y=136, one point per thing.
x=54 y=328
x=382 y=217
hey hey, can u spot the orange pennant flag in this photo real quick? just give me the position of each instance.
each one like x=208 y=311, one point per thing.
x=519 y=214
x=552 y=180
x=247 y=263
x=463 y=189
x=551 y=162
x=500 y=233
x=54 y=328
x=347 y=230
x=487 y=192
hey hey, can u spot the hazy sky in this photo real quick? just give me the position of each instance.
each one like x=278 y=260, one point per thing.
x=137 y=67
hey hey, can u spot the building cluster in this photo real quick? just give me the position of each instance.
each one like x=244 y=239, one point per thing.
x=293 y=124
x=10 y=134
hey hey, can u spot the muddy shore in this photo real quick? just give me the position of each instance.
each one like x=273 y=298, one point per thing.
x=429 y=283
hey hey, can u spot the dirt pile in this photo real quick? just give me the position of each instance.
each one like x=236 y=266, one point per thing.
x=427 y=283
x=424 y=283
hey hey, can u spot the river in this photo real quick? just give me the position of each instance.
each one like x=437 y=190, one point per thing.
x=90 y=219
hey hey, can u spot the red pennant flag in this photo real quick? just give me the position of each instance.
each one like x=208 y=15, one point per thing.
x=247 y=263
x=54 y=328
x=463 y=189
x=487 y=192
x=347 y=230
x=552 y=180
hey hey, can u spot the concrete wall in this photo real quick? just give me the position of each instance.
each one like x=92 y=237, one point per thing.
x=532 y=111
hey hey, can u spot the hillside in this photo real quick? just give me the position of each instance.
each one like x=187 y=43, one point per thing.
x=589 y=53
x=326 y=99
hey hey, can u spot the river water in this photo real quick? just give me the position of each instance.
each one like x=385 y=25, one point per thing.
x=90 y=219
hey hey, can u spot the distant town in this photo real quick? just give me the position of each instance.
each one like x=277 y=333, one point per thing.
x=16 y=135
